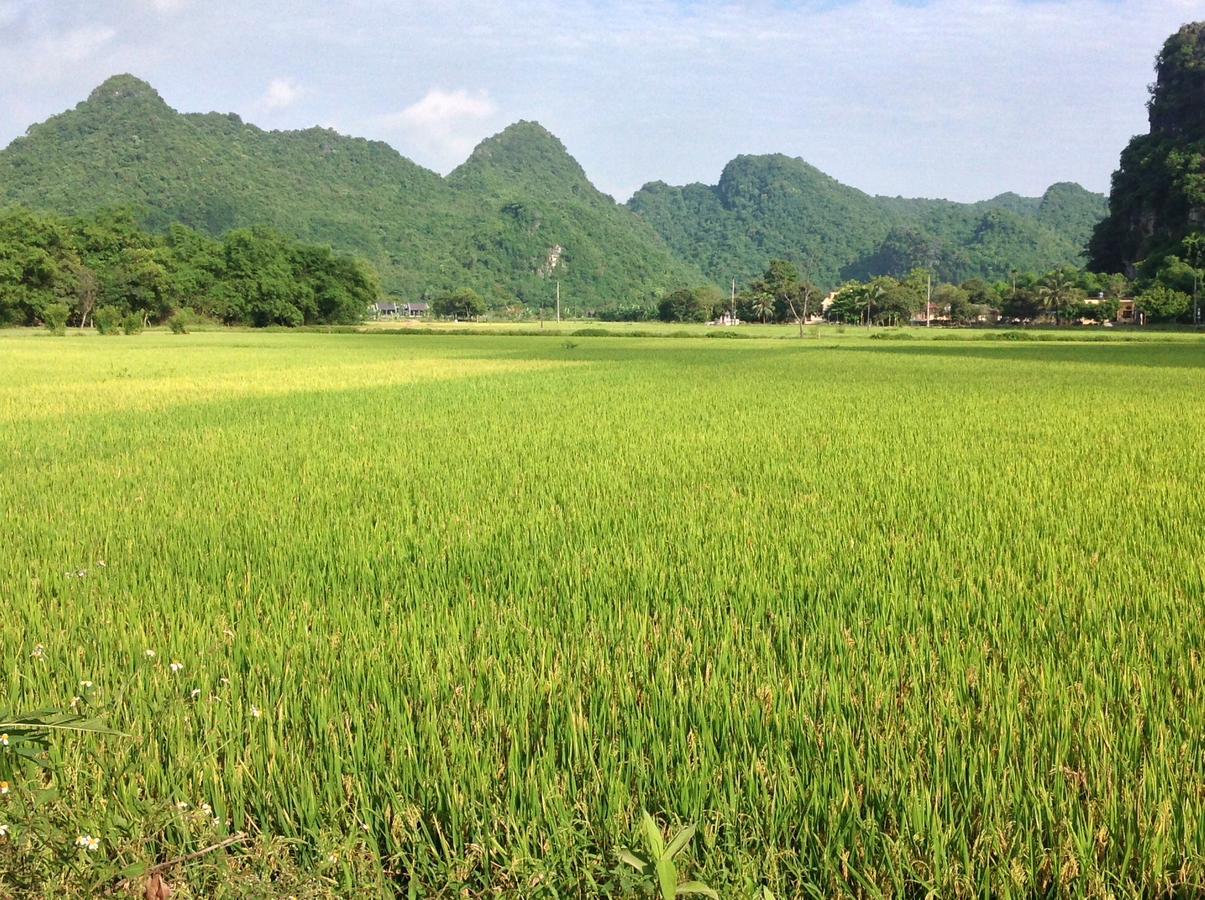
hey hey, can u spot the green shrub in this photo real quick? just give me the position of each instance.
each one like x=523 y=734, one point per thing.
x=107 y=320
x=181 y=321
x=1011 y=336
x=132 y=324
x=55 y=316
x=593 y=332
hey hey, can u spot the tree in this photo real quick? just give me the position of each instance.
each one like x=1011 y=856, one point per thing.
x=689 y=305
x=1060 y=294
x=954 y=301
x=1099 y=309
x=462 y=304
x=849 y=303
x=762 y=304
x=1021 y=304
x=35 y=253
x=1160 y=303
x=896 y=301
x=87 y=292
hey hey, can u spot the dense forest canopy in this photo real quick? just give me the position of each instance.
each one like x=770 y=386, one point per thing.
x=774 y=206
x=105 y=264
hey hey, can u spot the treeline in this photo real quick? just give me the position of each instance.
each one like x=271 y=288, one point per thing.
x=1167 y=293
x=104 y=268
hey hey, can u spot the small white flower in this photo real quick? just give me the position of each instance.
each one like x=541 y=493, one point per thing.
x=87 y=842
x=216 y=821
x=150 y=654
x=3 y=830
x=76 y=701
x=86 y=685
x=256 y=712
x=100 y=563
x=82 y=573
x=176 y=667
x=224 y=680
x=3 y=740
x=181 y=805
x=195 y=693
x=206 y=808
x=4 y=788
x=333 y=858
x=39 y=652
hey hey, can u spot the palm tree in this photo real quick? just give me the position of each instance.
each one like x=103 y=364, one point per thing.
x=874 y=293
x=1056 y=292
x=762 y=305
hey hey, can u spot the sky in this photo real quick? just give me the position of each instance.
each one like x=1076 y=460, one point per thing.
x=963 y=99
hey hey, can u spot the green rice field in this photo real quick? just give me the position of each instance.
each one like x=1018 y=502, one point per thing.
x=447 y=612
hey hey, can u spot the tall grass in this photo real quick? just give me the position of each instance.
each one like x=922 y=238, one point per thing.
x=881 y=619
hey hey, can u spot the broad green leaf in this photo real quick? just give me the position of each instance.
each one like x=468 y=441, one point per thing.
x=632 y=860
x=652 y=837
x=698 y=888
x=680 y=840
x=667 y=878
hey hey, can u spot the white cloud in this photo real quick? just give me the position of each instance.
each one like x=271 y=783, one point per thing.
x=440 y=109
x=445 y=125
x=281 y=94
x=76 y=44
x=956 y=97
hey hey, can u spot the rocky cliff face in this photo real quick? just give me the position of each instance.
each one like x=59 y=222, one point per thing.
x=1158 y=194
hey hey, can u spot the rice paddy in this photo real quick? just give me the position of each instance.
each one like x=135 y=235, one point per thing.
x=880 y=619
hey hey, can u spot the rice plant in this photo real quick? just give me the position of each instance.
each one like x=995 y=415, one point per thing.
x=447 y=613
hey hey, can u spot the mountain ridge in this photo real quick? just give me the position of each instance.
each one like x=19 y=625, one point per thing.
x=770 y=204
x=519 y=212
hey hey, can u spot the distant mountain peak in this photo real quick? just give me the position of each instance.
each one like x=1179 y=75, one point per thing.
x=526 y=151
x=523 y=138
x=124 y=87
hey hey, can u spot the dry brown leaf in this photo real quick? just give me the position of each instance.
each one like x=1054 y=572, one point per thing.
x=157 y=888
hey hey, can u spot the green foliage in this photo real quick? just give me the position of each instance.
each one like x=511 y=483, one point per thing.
x=1161 y=303
x=687 y=305
x=881 y=301
x=462 y=304
x=774 y=207
x=1158 y=192
x=108 y=320
x=181 y=321
x=657 y=863
x=55 y=317
x=106 y=268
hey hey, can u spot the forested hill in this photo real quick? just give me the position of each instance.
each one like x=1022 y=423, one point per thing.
x=517 y=214
x=1158 y=195
x=775 y=206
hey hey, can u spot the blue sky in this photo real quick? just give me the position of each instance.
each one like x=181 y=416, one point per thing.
x=955 y=98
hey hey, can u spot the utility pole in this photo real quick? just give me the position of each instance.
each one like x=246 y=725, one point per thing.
x=733 y=313
x=929 y=300
x=558 y=301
